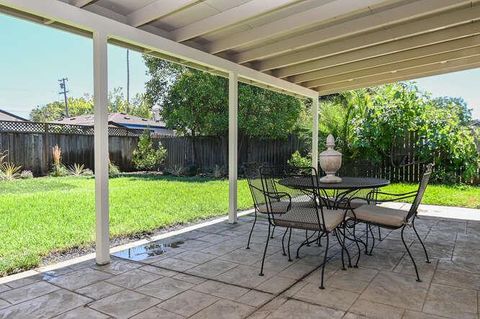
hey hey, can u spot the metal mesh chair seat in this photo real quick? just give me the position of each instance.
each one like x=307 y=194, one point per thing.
x=283 y=207
x=307 y=218
x=381 y=215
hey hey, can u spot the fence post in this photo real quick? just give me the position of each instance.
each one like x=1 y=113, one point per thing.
x=46 y=149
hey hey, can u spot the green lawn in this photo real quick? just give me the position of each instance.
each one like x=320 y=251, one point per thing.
x=43 y=215
x=463 y=196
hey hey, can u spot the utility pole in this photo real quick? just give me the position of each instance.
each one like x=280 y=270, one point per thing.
x=63 y=88
x=128 y=77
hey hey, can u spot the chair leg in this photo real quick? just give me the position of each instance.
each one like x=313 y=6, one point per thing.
x=366 y=239
x=379 y=234
x=373 y=239
x=273 y=230
x=265 y=250
x=284 y=253
x=306 y=242
x=344 y=245
x=288 y=246
x=410 y=254
x=251 y=231
x=324 y=262
x=421 y=242
x=341 y=245
x=358 y=245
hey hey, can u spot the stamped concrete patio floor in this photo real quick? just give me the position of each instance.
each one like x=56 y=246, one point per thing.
x=208 y=273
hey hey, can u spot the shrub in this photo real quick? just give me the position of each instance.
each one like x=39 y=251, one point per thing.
x=87 y=172
x=176 y=170
x=218 y=171
x=9 y=171
x=297 y=160
x=146 y=156
x=113 y=170
x=26 y=174
x=77 y=169
x=58 y=169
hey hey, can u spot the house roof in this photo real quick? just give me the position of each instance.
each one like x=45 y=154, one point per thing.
x=116 y=119
x=7 y=116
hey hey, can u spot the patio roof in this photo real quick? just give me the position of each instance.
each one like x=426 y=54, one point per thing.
x=324 y=45
x=301 y=47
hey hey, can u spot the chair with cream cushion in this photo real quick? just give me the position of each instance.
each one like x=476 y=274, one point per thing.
x=305 y=215
x=393 y=219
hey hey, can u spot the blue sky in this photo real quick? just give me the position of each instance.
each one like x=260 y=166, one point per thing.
x=33 y=57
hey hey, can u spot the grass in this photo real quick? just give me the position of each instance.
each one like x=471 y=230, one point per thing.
x=443 y=195
x=44 y=215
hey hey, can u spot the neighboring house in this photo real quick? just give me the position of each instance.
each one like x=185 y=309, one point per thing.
x=7 y=116
x=123 y=120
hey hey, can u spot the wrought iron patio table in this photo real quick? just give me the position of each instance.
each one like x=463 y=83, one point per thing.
x=342 y=191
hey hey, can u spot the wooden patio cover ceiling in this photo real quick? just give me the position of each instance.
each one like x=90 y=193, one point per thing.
x=325 y=45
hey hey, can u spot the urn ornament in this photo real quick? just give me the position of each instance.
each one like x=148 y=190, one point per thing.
x=330 y=162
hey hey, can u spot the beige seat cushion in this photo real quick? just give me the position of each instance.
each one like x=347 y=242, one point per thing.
x=381 y=215
x=277 y=208
x=282 y=206
x=306 y=218
x=354 y=203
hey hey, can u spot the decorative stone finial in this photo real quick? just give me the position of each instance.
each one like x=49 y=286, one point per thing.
x=330 y=162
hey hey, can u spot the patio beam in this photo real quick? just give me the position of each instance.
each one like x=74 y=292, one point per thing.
x=82 y=3
x=396 y=32
x=375 y=20
x=449 y=46
x=325 y=10
x=228 y=17
x=315 y=103
x=100 y=98
x=404 y=75
x=156 y=10
x=395 y=67
x=423 y=40
x=232 y=146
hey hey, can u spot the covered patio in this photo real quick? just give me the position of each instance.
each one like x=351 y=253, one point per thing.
x=303 y=48
x=207 y=273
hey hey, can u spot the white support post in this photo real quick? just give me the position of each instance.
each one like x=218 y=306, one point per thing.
x=232 y=146
x=100 y=95
x=315 y=133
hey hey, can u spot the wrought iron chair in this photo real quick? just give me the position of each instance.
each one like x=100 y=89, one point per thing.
x=305 y=215
x=255 y=182
x=389 y=218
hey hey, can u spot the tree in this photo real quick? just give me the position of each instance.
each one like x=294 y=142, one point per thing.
x=84 y=105
x=56 y=110
x=197 y=104
x=376 y=120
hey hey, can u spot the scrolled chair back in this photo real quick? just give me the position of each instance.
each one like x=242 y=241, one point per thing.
x=422 y=186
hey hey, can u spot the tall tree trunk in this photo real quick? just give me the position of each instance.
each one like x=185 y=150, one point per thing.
x=128 y=78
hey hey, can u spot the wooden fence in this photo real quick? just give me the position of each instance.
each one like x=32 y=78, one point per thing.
x=30 y=145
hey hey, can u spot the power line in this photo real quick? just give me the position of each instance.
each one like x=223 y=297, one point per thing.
x=63 y=88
